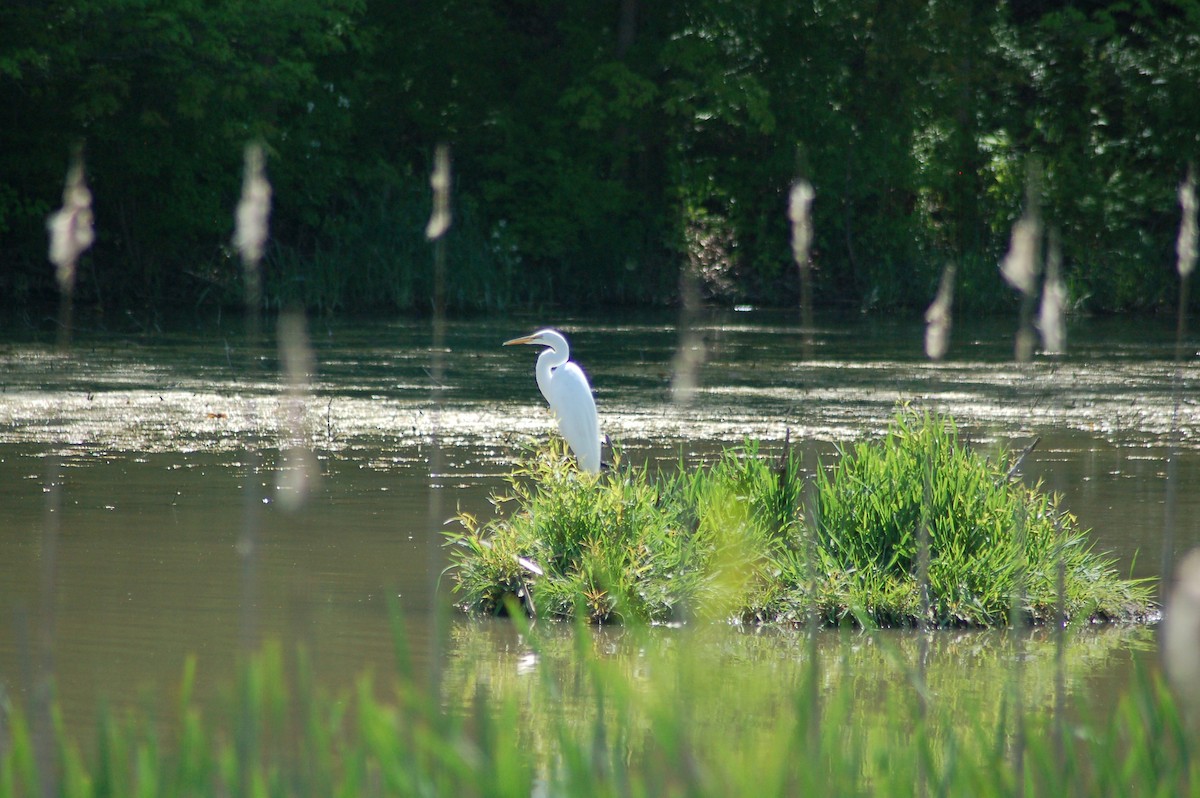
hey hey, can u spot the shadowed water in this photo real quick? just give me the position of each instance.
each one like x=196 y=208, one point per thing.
x=151 y=448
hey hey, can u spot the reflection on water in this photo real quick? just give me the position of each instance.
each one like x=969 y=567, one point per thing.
x=724 y=668
x=737 y=689
x=152 y=438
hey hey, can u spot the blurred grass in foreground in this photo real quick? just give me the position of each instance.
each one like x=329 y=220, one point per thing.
x=655 y=712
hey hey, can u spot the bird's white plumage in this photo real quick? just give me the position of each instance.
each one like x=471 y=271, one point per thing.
x=566 y=388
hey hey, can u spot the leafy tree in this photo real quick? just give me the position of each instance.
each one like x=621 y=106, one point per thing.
x=598 y=148
x=163 y=97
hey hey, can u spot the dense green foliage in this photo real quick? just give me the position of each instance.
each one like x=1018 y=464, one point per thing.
x=675 y=719
x=741 y=539
x=598 y=148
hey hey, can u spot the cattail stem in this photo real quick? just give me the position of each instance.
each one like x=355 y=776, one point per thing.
x=1022 y=265
x=1185 y=249
x=435 y=233
x=71 y=234
x=800 y=215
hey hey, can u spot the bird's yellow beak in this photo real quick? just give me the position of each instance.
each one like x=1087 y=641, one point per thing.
x=524 y=339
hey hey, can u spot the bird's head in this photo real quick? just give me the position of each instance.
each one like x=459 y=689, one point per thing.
x=550 y=338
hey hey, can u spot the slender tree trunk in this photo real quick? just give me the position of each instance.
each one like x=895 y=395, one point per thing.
x=626 y=35
x=627 y=27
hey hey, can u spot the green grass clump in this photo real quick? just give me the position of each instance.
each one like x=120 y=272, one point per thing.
x=619 y=545
x=751 y=538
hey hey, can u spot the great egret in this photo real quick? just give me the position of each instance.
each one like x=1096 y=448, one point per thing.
x=566 y=388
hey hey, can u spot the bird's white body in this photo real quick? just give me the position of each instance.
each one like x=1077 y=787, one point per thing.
x=566 y=388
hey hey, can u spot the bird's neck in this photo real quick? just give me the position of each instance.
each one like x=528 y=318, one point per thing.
x=546 y=363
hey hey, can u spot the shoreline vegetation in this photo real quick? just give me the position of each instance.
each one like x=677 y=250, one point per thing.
x=915 y=529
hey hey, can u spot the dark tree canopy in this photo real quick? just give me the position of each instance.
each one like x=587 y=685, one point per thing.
x=599 y=148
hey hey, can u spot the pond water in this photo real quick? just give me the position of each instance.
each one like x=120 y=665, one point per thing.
x=200 y=498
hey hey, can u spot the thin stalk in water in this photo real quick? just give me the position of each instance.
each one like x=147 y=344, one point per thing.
x=1017 y=623
x=1021 y=267
x=1185 y=251
x=253 y=212
x=1060 y=658
x=939 y=316
x=1051 y=321
x=435 y=233
x=800 y=215
x=250 y=235
x=71 y=234
x=690 y=354
x=812 y=503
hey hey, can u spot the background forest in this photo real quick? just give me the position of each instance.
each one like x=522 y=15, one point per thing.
x=599 y=147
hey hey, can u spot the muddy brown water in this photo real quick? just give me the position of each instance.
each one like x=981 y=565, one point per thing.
x=153 y=455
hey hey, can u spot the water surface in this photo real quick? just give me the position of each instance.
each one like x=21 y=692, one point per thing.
x=157 y=455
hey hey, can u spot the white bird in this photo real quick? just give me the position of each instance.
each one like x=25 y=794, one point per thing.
x=566 y=388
